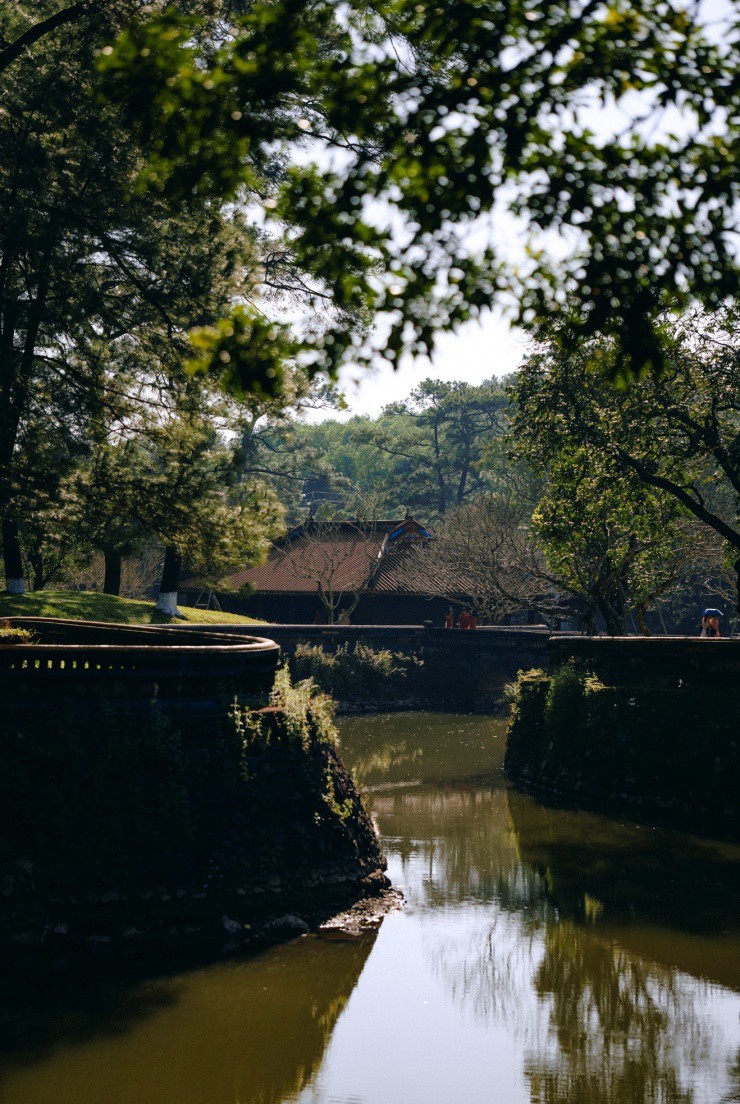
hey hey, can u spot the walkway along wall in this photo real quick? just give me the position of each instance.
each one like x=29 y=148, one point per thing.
x=137 y=805
x=635 y=725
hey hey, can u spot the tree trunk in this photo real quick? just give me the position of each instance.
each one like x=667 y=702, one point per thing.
x=331 y=606
x=36 y=559
x=642 y=623
x=588 y=618
x=613 y=615
x=112 y=579
x=463 y=481
x=167 y=600
x=14 y=580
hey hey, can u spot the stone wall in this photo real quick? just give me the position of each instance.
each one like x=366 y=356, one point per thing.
x=668 y=754
x=461 y=669
x=121 y=830
x=651 y=661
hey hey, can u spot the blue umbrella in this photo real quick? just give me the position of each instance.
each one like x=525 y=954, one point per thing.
x=712 y=613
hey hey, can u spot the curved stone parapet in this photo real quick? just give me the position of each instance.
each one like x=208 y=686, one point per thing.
x=651 y=661
x=141 y=791
x=67 y=657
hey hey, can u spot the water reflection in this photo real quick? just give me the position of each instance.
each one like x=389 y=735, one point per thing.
x=546 y=956
x=624 y=1029
x=594 y=943
x=252 y=1032
x=639 y=911
x=455 y=844
x=670 y=897
x=412 y=748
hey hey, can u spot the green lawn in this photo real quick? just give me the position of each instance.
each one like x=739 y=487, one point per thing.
x=88 y=606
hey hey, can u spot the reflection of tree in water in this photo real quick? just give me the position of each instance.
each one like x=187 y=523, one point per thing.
x=253 y=1030
x=455 y=843
x=625 y=1031
x=427 y=747
x=386 y=760
x=732 y=1095
x=681 y=881
x=489 y=973
x=626 y=1028
x=602 y=1026
x=666 y=897
x=525 y=893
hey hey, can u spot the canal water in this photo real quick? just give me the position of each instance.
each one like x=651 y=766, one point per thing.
x=544 y=956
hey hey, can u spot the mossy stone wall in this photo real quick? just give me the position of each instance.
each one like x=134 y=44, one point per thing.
x=670 y=754
x=112 y=820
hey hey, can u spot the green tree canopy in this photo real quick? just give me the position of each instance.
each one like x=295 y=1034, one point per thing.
x=614 y=543
x=436 y=439
x=670 y=441
x=428 y=453
x=107 y=295
x=383 y=137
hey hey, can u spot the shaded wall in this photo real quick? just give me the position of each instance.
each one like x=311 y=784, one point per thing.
x=112 y=820
x=667 y=753
x=303 y=609
x=463 y=669
x=656 y=661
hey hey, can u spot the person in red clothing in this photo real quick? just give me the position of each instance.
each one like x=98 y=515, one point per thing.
x=472 y=621
x=463 y=621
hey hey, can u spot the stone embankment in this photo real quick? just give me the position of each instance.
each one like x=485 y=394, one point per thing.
x=295 y=847
x=661 y=745
x=128 y=820
x=443 y=668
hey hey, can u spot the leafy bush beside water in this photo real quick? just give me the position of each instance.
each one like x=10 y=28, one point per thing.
x=359 y=673
x=307 y=714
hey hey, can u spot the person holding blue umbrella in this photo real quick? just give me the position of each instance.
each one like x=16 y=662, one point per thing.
x=710 y=622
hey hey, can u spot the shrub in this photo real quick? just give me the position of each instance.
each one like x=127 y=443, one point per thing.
x=359 y=672
x=306 y=713
x=13 y=634
x=291 y=749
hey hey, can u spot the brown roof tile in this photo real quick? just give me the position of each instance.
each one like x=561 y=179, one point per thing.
x=344 y=553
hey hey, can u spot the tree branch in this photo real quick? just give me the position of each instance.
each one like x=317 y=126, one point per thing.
x=732 y=536
x=44 y=27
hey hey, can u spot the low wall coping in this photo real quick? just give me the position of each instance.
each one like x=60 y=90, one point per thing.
x=68 y=648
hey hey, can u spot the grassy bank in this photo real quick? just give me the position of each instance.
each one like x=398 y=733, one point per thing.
x=90 y=606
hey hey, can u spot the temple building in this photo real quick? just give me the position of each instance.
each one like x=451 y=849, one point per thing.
x=335 y=571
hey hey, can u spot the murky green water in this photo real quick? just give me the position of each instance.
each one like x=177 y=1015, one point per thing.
x=545 y=956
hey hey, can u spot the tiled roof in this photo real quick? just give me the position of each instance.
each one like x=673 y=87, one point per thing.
x=342 y=554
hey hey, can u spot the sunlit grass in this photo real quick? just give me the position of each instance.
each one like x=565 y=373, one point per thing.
x=90 y=606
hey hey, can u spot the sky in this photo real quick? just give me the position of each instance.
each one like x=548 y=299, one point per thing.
x=478 y=351
x=491 y=346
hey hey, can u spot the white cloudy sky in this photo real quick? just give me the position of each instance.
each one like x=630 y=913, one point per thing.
x=478 y=351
